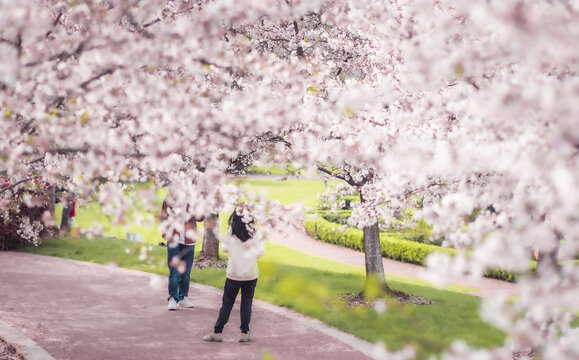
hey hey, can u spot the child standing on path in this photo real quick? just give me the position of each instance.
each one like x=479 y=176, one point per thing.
x=243 y=243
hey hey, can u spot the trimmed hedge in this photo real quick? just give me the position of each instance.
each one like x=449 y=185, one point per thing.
x=408 y=251
x=330 y=232
x=340 y=217
x=421 y=232
x=392 y=244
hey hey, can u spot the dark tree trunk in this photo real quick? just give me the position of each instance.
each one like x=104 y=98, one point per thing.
x=51 y=200
x=65 y=222
x=547 y=261
x=51 y=204
x=373 y=256
x=210 y=238
x=375 y=284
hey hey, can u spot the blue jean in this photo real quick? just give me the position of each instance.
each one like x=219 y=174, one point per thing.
x=230 y=292
x=179 y=283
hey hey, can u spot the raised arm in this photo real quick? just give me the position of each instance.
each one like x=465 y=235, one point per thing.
x=260 y=249
x=164 y=216
x=191 y=228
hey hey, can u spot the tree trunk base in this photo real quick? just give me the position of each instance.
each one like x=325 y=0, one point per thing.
x=359 y=300
x=204 y=262
x=206 y=257
x=375 y=286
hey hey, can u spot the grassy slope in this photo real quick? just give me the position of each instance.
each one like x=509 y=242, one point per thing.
x=305 y=283
x=290 y=191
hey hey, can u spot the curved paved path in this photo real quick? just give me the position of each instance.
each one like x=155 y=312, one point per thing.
x=82 y=311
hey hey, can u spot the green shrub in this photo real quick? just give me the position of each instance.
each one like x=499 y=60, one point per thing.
x=337 y=217
x=421 y=233
x=499 y=274
x=329 y=232
x=393 y=245
x=396 y=248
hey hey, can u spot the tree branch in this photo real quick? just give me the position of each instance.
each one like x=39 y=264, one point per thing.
x=60 y=151
x=86 y=83
x=9 y=42
x=152 y=22
x=16 y=184
x=56 y=21
x=415 y=191
x=62 y=56
x=471 y=81
x=341 y=176
x=229 y=69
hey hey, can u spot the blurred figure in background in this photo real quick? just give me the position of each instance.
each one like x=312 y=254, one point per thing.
x=180 y=252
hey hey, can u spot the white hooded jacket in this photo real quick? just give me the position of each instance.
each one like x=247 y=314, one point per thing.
x=242 y=262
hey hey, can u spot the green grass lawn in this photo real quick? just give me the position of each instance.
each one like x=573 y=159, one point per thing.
x=139 y=219
x=291 y=191
x=144 y=222
x=311 y=285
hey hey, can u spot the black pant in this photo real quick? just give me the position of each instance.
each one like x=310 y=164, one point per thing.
x=229 y=294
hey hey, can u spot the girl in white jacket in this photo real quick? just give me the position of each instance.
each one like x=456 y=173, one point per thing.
x=243 y=243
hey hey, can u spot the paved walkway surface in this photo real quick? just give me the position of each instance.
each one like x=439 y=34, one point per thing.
x=64 y=309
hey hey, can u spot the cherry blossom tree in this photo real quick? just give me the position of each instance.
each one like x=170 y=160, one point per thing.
x=482 y=119
x=464 y=106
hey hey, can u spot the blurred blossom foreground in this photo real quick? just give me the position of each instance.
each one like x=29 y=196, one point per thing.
x=449 y=107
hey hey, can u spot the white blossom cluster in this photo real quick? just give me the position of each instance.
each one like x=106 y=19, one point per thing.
x=450 y=107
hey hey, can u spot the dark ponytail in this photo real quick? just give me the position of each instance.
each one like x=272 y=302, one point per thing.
x=239 y=228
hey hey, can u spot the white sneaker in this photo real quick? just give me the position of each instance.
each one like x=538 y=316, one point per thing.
x=186 y=303
x=172 y=304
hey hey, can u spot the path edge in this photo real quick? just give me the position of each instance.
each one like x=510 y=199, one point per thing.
x=29 y=349
x=363 y=346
